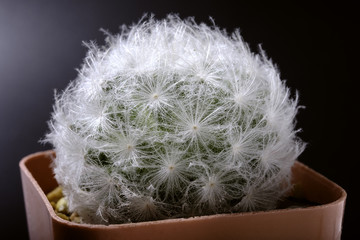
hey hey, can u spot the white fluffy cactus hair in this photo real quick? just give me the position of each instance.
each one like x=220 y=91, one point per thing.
x=173 y=119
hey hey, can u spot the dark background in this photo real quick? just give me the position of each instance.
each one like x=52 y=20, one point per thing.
x=41 y=45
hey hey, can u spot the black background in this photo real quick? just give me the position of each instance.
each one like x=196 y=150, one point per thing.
x=312 y=44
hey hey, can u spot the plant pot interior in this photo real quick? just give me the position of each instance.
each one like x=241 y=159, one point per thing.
x=322 y=221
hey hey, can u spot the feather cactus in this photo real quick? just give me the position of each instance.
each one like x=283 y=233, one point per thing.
x=173 y=119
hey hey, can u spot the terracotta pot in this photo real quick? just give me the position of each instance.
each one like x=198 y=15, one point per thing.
x=323 y=221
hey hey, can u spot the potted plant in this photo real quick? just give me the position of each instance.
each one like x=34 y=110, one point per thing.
x=176 y=130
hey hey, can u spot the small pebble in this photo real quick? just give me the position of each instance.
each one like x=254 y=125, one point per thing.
x=53 y=204
x=63 y=216
x=55 y=194
x=75 y=218
x=61 y=205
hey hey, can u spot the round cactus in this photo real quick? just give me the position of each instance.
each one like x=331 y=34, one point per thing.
x=173 y=119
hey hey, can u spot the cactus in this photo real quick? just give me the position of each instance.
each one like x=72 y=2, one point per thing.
x=169 y=119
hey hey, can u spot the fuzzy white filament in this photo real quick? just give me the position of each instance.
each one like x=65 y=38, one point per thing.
x=173 y=119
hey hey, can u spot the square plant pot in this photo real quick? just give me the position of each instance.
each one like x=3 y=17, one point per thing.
x=323 y=221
